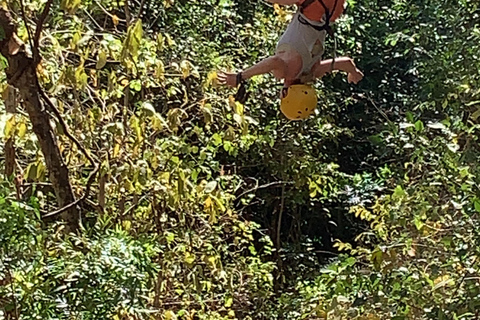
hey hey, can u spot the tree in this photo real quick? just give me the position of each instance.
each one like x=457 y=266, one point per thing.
x=21 y=73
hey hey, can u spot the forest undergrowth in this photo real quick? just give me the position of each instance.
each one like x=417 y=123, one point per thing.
x=205 y=208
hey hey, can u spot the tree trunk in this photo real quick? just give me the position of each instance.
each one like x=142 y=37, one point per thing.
x=21 y=74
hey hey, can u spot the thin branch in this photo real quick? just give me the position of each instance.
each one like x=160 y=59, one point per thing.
x=38 y=31
x=127 y=13
x=134 y=206
x=463 y=279
x=108 y=13
x=271 y=184
x=140 y=10
x=80 y=147
x=308 y=252
x=280 y=216
x=93 y=20
x=384 y=115
x=24 y=17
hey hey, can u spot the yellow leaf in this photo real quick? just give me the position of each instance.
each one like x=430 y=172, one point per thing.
x=239 y=109
x=41 y=170
x=159 y=122
x=131 y=45
x=186 y=67
x=127 y=225
x=208 y=203
x=212 y=79
x=282 y=14
x=9 y=127
x=189 y=258
x=42 y=73
x=160 y=71
x=219 y=204
x=116 y=150
x=81 y=77
x=160 y=42
x=102 y=60
x=169 y=315
x=442 y=281
x=278 y=10
x=212 y=260
x=170 y=41
x=115 y=20
x=232 y=103
x=70 y=6
x=207 y=113
x=168 y=3
x=321 y=314
x=22 y=130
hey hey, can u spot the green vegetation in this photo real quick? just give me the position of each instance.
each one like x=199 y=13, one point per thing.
x=204 y=208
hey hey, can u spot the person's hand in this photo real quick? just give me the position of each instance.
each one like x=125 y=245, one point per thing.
x=355 y=76
x=227 y=78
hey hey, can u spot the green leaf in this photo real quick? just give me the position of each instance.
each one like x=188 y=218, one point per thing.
x=170 y=237
x=419 y=126
x=136 y=85
x=189 y=258
x=3 y=62
x=210 y=187
x=228 y=301
x=101 y=60
x=399 y=192
x=132 y=42
x=477 y=205
x=418 y=223
x=148 y=109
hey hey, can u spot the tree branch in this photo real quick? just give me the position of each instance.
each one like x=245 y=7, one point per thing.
x=38 y=31
x=66 y=130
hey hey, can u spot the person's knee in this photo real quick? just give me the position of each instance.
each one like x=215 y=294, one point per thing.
x=290 y=63
x=280 y=68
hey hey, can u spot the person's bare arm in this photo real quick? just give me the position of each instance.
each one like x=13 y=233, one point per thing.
x=344 y=64
x=272 y=64
x=284 y=2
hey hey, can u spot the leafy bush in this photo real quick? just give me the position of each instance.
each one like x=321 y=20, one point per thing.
x=206 y=208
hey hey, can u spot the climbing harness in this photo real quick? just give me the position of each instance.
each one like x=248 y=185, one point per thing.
x=312 y=14
x=330 y=16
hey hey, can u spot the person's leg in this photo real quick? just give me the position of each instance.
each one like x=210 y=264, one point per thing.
x=283 y=65
x=345 y=64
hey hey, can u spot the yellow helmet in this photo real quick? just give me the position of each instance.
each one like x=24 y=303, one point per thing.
x=298 y=102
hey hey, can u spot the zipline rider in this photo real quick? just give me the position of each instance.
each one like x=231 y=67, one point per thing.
x=297 y=58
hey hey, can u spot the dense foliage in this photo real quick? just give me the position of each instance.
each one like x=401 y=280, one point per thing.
x=208 y=209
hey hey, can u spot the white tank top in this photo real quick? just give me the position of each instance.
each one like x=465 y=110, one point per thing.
x=307 y=41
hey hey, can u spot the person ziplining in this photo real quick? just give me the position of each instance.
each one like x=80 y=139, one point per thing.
x=297 y=58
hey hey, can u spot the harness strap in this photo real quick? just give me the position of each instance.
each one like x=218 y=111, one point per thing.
x=328 y=16
x=326 y=26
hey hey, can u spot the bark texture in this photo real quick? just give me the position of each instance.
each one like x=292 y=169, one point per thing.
x=21 y=73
